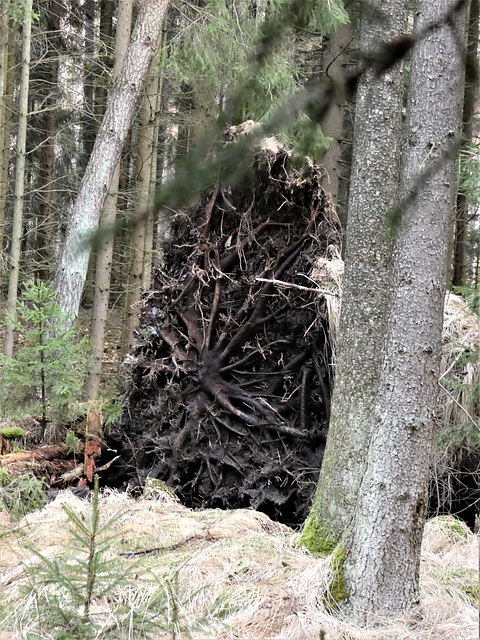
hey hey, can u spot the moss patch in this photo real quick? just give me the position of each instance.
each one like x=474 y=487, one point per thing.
x=316 y=537
x=12 y=432
x=450 y=524
x=337 y=591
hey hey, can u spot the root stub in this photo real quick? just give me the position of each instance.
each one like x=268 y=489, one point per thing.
x=228 y=386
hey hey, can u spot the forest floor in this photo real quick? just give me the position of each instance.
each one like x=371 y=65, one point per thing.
x=218 y=575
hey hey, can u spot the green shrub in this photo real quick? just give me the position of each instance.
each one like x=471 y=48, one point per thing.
x=21 y=494
x=45 y=377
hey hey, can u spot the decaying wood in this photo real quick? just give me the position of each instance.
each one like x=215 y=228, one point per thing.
x=46 y=462
x=35 y=455
x=93 y=448
x=228 y=386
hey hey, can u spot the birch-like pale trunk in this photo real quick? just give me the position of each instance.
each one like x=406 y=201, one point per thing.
x=382 y=568
x=19 y=187
x=120 y=110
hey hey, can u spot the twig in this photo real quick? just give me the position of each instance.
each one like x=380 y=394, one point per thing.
x=292 y=285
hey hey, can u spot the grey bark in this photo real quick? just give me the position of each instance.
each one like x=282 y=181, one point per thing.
x=383 y=564
x=4 y=31
x=103 y=264
x=19 y=188
x=121 y=106
x=334 y=60
x=460 y=258
x=373 y=192
x=142 y=204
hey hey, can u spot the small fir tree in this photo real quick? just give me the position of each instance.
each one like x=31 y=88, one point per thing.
x=45 y=376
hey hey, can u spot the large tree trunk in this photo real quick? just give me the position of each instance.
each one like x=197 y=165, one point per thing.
x=373 y=192
x=371 y=497
x=19 y=177
x=121 y=105
x=382 y=568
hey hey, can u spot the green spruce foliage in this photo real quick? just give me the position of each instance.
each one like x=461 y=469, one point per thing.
x=21 y=494
x=45 y=376
x=64 y=588
x=89 y=590
x=240 y=61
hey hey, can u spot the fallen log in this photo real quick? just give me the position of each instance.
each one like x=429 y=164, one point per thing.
x=46 y=462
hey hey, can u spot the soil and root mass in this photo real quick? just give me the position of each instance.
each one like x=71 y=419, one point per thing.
x=228 y=386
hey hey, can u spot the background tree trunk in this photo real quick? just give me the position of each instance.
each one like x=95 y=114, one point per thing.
x=70 y=276
x=334 y=60
x=45 y=221
x=19 y=189
x=141 y=204
x=103 y=264
x=463 y=200
x=4 y=31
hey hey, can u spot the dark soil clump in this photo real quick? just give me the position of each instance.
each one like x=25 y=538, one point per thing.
x=228 y=386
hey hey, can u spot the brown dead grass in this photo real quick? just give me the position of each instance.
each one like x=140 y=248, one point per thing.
x=461 y=330
x=239 y=576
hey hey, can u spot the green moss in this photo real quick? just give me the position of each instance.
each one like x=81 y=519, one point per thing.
x=316 y=537
x=450 y=524
x=337 y=591
x=459 y=580
x=12 y=432
x=320 y=542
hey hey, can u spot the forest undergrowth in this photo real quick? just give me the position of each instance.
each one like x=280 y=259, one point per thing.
x=207 y=574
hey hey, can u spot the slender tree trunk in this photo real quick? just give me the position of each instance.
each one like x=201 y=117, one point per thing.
x=44 y=233
x=19 y=188
x=373 y=193
x=382 y=568
x=7 y=126
x=89 y=68
x=334 y=60
x=463 y=200
x=90 y=124
x=150 y=222
x=106 y=57
x=103 y=266
x=4 y=31
x=121 y=105
x=141 y=204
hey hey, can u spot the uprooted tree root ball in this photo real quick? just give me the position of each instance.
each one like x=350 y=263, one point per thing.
x=228 y=386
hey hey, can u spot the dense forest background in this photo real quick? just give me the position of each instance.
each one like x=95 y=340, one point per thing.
x=181 y=184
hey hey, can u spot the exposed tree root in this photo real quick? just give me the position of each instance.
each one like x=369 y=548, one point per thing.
x=228 y=391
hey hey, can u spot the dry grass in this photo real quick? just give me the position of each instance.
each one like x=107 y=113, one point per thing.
x=327 y=273
x=240 y=576
x=461 y=331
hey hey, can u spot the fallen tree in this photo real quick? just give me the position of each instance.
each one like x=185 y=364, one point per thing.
x=228 y=387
